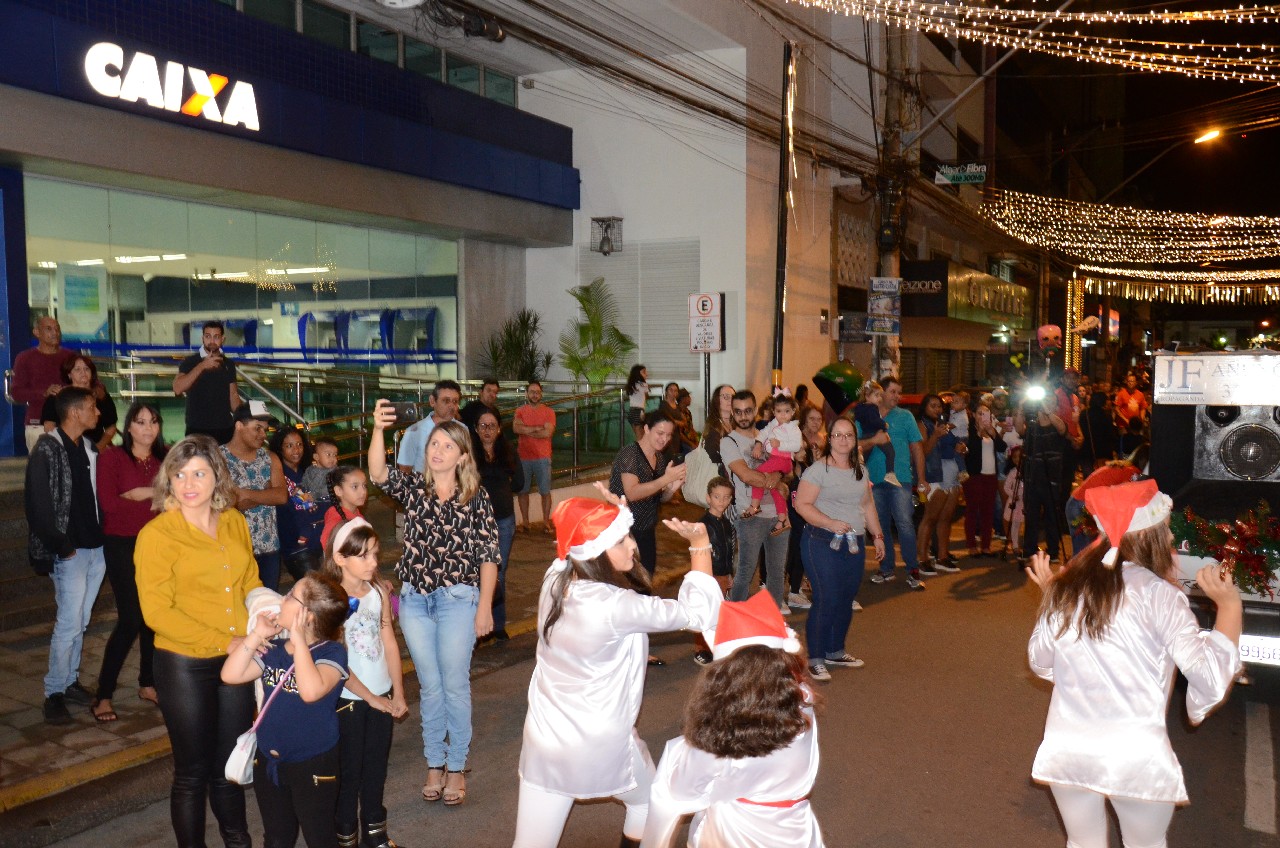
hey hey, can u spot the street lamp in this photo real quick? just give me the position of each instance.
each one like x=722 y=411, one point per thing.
x=1209 y=136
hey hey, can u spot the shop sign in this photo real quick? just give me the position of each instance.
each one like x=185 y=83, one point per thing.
x=974 y=296
x=971 y=174
x=933 y=286
x=170 y=86
x=1216 y=379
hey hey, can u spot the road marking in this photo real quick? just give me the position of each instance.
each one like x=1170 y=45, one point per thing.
x=1259 y=770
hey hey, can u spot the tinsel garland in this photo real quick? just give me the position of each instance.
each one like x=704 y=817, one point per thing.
x=1250 y=544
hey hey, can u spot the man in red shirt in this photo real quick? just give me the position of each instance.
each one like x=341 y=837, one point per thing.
x=534 y=423
x=1130 y=402
x=37 y=374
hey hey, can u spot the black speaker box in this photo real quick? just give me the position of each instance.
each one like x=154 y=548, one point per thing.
x=1195 y=448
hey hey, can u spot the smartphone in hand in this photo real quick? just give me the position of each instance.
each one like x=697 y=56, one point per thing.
x=406 y=414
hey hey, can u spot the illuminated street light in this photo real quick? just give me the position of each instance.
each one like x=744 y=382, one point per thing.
x=1209 y=136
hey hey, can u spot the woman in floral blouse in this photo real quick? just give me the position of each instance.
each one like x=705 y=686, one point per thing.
x=449 y=569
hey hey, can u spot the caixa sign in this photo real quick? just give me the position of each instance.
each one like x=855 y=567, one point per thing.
x=172 y=86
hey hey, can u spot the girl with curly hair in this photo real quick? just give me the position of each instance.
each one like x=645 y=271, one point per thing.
x=749 y=754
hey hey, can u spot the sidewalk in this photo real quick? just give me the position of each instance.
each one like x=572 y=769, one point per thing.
x=38 y=760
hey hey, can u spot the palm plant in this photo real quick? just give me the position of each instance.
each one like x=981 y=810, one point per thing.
x=592 y=348
x=511 y=352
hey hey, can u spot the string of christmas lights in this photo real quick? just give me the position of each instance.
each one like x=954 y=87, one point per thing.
x=1236 y=61
x=1095 y=232
x=1185 y=292
x=1201 y=277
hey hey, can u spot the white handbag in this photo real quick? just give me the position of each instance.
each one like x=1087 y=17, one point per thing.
x=239 y=767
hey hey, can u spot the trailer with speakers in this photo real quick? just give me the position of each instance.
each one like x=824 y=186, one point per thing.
x=1215 y=447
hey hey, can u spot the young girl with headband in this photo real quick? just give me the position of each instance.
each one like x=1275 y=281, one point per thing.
x=373 y=697
x=295 y=775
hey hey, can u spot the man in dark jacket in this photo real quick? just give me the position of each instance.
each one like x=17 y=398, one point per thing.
x=66 y=541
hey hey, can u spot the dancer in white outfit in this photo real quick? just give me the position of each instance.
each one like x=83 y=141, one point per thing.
x=1112 y=628
x=749 y=754
x=580 y=739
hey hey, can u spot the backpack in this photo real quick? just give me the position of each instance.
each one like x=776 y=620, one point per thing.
x=700 y=469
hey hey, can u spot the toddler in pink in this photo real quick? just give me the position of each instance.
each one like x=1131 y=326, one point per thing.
x=779 y=439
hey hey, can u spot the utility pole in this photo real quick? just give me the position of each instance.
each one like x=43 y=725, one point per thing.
x=892 y=182
x=784 y=199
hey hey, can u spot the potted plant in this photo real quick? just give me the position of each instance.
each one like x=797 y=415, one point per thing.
x=593 y=349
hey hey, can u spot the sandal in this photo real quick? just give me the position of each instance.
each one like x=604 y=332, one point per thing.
x=148 y=693
x=433 y=790
x=780 y=528
x=750 y=512
x=455 y=795
x=105 y=717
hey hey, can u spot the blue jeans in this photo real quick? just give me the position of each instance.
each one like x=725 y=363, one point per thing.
x=440 y=630
x=753 y=533
x=269 y=569
x=893 y=505
x=506 y=535
x=835 y=577
x=76 y=581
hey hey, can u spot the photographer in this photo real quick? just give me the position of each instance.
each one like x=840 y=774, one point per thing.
x=1045 y=443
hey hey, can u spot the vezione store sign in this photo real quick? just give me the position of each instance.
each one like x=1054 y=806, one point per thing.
x=171 y=86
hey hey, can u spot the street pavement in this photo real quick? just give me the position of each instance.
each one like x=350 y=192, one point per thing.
x=930 y=744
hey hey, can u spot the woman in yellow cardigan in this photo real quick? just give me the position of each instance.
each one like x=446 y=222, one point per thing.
x=195 y=569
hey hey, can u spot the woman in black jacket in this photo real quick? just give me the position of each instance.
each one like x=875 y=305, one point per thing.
x=501 y=475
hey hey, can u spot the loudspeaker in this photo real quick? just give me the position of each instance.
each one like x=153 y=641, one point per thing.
x=1218 y=460
x=1237 y=443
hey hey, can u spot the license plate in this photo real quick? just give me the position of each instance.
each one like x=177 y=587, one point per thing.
x=1260 y=650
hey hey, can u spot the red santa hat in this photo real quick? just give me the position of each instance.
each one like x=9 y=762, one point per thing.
x=1126 y=508
x=753 y=622
x=586 y=528
x=1108 y=475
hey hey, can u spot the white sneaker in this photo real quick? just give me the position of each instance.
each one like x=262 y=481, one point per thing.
x=857 y=607
x=892 y=479
x=797 y=600
x=818 y=671
x=784 y=609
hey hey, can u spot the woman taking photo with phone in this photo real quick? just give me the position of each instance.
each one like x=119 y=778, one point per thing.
x=449 y=570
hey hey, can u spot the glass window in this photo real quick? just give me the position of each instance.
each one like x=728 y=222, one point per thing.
x=376 y=42
x=326 y=24
x=500 y=87
x=463 y=74
x=279 y=12
x=421 y=58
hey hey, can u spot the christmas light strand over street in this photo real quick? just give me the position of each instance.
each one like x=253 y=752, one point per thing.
x=1013 y=28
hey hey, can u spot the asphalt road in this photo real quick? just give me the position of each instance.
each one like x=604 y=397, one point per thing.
x=930 y=744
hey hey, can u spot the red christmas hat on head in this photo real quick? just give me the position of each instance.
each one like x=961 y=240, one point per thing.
x=1126 y=508
x=1107 y=475
x=753 y=622
x=586 y=528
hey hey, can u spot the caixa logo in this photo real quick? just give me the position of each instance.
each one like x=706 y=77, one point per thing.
x=172 y=86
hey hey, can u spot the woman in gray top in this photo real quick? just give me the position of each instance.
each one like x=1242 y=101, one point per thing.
x=834 y=498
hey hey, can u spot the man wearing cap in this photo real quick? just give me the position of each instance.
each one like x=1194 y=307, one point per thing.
x=208 y=379
x=260 y=485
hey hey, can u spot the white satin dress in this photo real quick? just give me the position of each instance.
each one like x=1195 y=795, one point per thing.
x=579 y=734
x=755 y=802
x=1106 y=729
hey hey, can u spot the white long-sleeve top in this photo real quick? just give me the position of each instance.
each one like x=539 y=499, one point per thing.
x=788 y=436
x=713 y=788
x=1106 y=726
x=584 y=697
